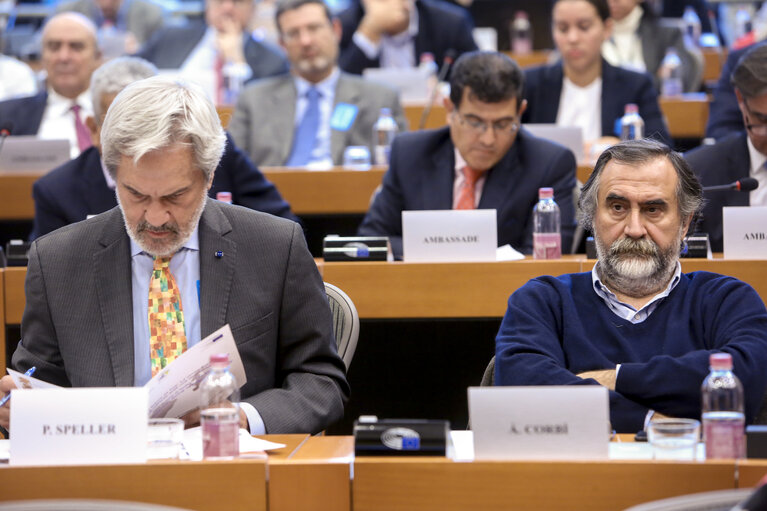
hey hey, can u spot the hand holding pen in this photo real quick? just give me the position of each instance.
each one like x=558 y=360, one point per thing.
x=6 y=385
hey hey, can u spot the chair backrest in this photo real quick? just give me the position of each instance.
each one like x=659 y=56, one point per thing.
x=346 y=322
x=488 y=378
x=720 y=500
x=83 y=505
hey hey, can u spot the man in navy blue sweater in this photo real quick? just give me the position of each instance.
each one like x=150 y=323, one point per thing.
x=636 y=324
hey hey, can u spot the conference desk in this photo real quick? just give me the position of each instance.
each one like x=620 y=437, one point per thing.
x=321 y=473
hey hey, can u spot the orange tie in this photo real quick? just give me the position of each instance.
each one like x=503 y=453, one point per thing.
x=468 y=191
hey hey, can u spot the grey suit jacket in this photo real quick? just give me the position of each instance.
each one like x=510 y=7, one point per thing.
x=141 y=17
x=77 y=327
x=263 y=122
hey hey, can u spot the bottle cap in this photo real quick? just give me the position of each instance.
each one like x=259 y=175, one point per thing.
x=520 y=14
x=545 y=193
x=720 y=361
x=632 y=108
x=224 y=197
x=219 y=359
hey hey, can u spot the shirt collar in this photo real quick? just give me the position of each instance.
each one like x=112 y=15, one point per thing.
x=757 y=159
x=612 y=301
x=59 y=105
x=193 y=243
x=111 y=184
x=629 y=24
x=326 y=87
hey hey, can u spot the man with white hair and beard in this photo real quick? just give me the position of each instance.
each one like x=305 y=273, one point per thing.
x=636 y=324
x=115 y=298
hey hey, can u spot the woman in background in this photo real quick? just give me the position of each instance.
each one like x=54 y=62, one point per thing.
x=582 y=89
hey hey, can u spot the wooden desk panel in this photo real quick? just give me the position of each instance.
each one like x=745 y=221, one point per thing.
x=686 y=116
x=316 y=477
x=14 y=294
x=437 y=290
x=750 y=472
x=713 y=60
x=204 y=486
x=435 y=484
x=335 y=191
x=16 y=201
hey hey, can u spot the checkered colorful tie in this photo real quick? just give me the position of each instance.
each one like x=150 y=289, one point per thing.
x=167 y=340
x=468 y=190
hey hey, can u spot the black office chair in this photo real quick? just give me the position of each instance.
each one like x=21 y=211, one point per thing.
x=488 y=378
x=722 y=500
x=83 y=505
x=346 y=322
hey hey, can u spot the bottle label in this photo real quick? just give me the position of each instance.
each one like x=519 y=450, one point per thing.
x=724 y=438
x=220 y=438
x=382 y=155
x=343 y=116
x=547 y=245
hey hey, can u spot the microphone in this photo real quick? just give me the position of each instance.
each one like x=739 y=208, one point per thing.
x=745 y=184
x=446 y=62
x=5 y=131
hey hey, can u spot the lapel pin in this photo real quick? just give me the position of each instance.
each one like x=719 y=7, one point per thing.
x=219 y=254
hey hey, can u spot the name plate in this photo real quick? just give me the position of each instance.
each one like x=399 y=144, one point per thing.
x=744 y=232
x=553 y=422
x=28 y=153
x=449 y=235
x=79 y=426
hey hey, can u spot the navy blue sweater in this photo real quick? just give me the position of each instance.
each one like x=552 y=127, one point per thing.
x=557 y=327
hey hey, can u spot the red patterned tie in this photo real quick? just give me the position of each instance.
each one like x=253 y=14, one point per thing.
x=468 y=191
x=167 y=339
x=83 y=135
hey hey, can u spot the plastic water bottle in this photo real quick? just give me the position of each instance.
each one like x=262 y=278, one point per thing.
x=384 y=131
x=224 y=197
x=632 y=125
x=692 y=24
x=220 y=411
x=722 y=410
x=547 y=240
x=743 y=24
x=671 y=74
x=521 y=34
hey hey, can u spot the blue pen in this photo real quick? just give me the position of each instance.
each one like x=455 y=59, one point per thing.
x=30 y=372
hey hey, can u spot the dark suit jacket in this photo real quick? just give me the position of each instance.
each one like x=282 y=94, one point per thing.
x=724 y=115
x=421 y=177
x=77 y=327
x=718 y=164
x=441 y=27
x=71 y=192
x=170 y=47
x=543 y=87
x=25 y=113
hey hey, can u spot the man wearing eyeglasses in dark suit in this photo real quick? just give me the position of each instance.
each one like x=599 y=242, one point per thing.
x=738 y=155
x=482 y=159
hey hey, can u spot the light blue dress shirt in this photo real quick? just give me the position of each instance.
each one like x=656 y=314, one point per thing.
x=185 y=267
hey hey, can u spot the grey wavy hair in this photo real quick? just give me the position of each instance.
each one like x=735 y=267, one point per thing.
x=635 y=152
x=116 y=74
x=157 y=112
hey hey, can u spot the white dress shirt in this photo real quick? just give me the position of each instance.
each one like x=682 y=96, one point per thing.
x=582 y=106
x=624 y=47
x=59 y=119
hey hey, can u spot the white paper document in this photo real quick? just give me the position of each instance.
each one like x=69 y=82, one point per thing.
x=175 y=391
x=250 y=446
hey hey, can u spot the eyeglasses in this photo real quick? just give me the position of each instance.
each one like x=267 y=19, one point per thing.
x=760 y=129
x=312 y=29
x=478 y=126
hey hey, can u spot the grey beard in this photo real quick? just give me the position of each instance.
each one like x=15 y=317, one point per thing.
x=636 y=268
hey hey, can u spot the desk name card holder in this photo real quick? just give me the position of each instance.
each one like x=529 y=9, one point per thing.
x=356 y=248
x=79 y=426
x=449 y=235
x=400 y=437
x=744 y=232
x=32 y=154
x=540 y=423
